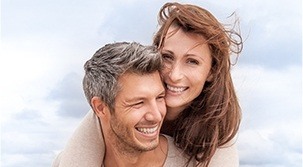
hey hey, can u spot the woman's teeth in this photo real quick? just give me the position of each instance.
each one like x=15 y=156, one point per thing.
x=176 y=89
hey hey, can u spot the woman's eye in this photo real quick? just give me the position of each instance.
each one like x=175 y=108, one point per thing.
x=193 y=61
x=167 y=57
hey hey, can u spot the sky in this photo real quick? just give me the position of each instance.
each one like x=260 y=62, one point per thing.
x=45 y=43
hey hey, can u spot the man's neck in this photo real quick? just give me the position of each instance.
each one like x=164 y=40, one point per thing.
x=156 y=157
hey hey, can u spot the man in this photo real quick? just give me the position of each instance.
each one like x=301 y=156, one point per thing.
x=123 y=87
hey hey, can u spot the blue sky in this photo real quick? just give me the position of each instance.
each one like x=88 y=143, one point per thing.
x=44 y=45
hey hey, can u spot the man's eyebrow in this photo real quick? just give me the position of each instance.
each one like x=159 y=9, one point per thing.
x=138 y=98
x=162 y=92
x=133 y=99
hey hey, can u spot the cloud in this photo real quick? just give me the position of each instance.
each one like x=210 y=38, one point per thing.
x=271 y=130
x=272 y=38
x=274 y=35
x=25 y=137
x=264 y=148
x=131 y=21
x=70 y=96
x=269 y=93
x=33 y=137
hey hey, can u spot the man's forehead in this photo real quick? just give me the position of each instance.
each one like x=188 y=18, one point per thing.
x=136 y=86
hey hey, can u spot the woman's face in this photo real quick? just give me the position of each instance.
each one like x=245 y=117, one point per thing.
x=187 y=60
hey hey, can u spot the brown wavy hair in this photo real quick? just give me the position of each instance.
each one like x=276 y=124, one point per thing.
x=213 y=118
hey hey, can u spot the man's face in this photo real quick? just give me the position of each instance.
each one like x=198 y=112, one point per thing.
x=139 y=112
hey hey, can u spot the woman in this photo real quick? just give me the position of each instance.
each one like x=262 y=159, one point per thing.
x=202 y=108
x=203 y=114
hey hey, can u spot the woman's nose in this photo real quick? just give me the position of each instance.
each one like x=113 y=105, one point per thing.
x=175 y=73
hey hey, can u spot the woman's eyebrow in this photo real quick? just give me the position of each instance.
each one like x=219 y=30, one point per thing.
x=194 y=55
x=167 y=50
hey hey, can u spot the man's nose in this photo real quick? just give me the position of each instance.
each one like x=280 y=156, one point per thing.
x=155 y=112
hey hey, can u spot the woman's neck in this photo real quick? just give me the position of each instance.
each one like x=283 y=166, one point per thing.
x=173 y=113
x=168 y=127
x=169 y=123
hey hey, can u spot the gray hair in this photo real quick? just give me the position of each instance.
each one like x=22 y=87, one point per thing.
x=103 y=70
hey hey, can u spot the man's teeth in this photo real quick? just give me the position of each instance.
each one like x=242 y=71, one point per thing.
x=175 y=89
x=147 y=130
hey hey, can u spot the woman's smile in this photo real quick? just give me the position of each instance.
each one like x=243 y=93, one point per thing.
x=175 y=89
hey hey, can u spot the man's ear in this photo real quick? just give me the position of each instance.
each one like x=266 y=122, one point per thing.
x=98 y=106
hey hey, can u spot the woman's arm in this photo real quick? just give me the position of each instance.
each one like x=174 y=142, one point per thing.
x=85 y=147
x=226 y=156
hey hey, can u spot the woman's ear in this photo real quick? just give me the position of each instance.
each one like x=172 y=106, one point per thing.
x=210 y=77
x=98 y=106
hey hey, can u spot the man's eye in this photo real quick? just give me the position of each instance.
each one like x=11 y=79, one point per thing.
x=137 y=104
x=161 y=97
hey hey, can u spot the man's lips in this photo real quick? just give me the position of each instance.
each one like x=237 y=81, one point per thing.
x=147 y=130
